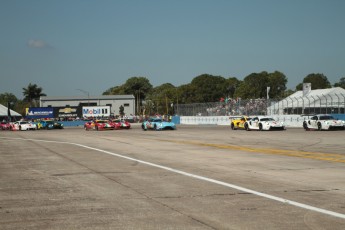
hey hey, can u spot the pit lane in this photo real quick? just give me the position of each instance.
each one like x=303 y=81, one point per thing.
x=54 y=183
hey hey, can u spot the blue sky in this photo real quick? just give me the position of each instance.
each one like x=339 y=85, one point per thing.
x=65 y=45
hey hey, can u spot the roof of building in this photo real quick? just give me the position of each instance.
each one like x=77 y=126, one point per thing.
x=331 y=96
x=75 y=98
x=335 y=91
x=3 y=111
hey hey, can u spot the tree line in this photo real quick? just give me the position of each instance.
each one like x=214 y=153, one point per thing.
x=209 y=88
x=202 y=89
x=31 y=93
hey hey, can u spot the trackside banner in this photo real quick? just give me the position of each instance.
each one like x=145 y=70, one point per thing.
x=96 y=111
x=67 y=112
x=43 y=112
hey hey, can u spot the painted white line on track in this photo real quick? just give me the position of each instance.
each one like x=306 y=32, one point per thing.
x=282 y=200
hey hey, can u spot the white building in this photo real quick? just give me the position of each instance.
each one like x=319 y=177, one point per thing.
x=4 y=112
x=331 y=100
x=114 y=101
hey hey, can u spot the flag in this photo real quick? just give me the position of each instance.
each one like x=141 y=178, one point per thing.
x=268 y=90
x=306 y=88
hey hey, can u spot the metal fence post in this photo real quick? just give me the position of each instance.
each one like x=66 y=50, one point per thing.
x=338 y=102
x=291 y=105
x=343 y=101
x=326 y=103
x=320 y=107
x=302 y=111
x=331 y=107
x=285 y=99
x=297 y=105
x=314 y=103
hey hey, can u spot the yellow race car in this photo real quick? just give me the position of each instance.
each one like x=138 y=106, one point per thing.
x=238 y=123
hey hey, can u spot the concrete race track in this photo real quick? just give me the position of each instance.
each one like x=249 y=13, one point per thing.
x=196 y=177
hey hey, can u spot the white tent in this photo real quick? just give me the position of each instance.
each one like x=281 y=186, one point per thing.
x=4 y=112
x=330 y=100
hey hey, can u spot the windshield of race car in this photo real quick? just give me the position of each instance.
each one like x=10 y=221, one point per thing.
x=267 y=119
x=155 y=120
x=326 y=118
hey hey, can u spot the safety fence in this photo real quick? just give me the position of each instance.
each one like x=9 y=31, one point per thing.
x=295 y=121
x=334 y=104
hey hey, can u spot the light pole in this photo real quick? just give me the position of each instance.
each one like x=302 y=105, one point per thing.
x=9 y=119
x=86 y=93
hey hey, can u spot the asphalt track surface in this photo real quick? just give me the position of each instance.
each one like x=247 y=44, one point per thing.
x=196 y=177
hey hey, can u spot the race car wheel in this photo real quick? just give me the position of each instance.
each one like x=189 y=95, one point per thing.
x=143 y=127
x=155 y=127
x=305 y=126
x=232 y=126
x=319 y=126
x=246 y=127
x=260 y=127
x=20 y=127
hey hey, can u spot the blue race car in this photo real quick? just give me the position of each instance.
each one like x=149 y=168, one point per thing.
x=49 y=124
x=158 y=124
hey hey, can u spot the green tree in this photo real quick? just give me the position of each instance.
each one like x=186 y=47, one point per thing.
x=116 y=90
x=20 y=107
x=32 y=93
x=160 y=99
x=232 y=84
x=186 y=94
x=138 y=86
x=208 y=88
x=7 y=97
x=341 y=83
x=288 y=92
x=277 y=83
x=317 y=80
x=253 y=86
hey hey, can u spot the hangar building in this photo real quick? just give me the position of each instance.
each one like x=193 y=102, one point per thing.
x=114 y=101
x=331 y=100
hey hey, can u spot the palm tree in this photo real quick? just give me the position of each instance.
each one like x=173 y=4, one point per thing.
x=32 y=93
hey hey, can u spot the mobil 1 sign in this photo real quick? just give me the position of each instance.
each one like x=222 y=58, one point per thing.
x=96 y=111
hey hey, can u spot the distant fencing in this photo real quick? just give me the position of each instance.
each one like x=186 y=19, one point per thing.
x=287 y=106
x=295 y=121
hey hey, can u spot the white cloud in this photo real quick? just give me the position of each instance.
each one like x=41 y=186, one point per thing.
x=38 y=44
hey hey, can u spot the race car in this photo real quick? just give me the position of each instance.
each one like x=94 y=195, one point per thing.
x=121 y=124
x=158 y=124
x=238 y=123
x=4 y=125
x=263 y=123
x=323 y=122
x=99 y=125
x=49 y=124
x=23 y=125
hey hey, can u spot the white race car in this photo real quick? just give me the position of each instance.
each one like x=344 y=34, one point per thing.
x=263 y=123
x=23 y=125
x=323 y=122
